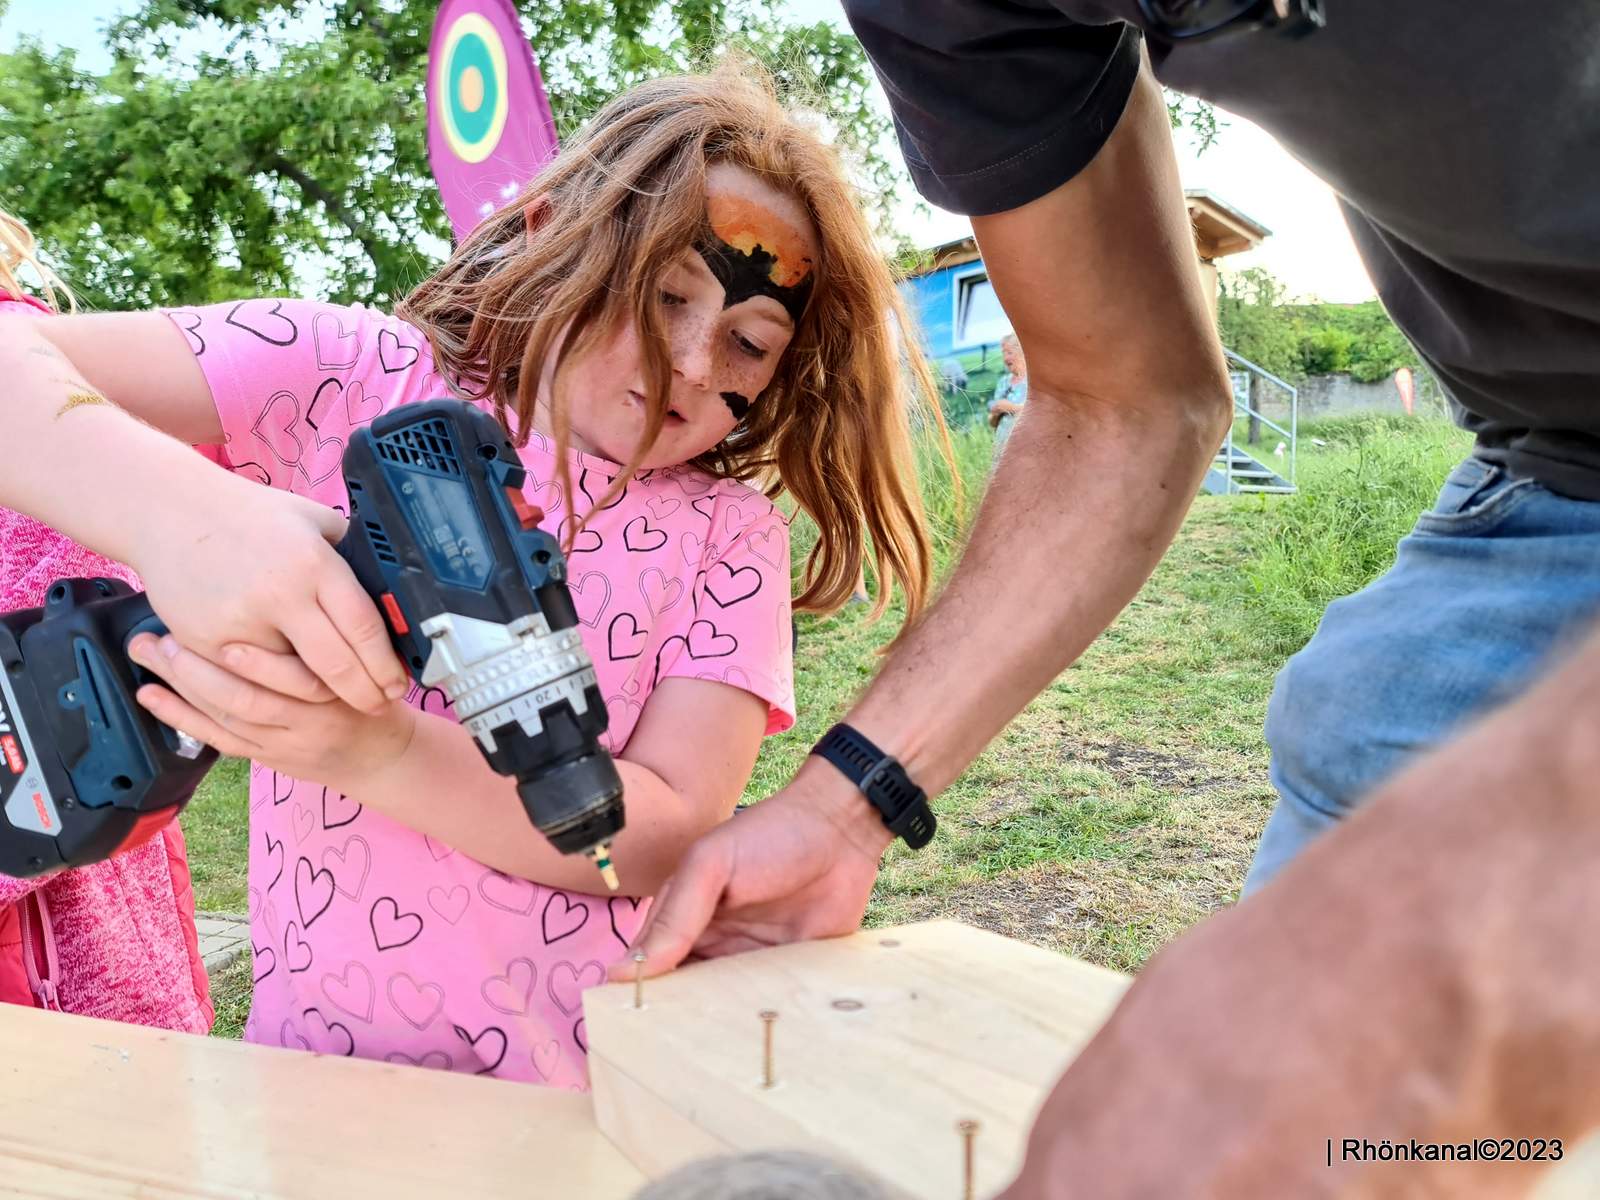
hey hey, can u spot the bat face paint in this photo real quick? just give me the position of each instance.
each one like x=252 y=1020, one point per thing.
x=752 y=252
x=738 y=405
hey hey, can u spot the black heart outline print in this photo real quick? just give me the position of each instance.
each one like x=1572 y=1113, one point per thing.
x=567 y=908
x=732 y=585
x=594 y=496
x=391 y=347
x=238 y=318
x=636 y=638
x=706 y=641
x=311 y=880
x=633 y=902
x=392 y=936
x=328 y=823
x=498 y=1033
x=258 y=955
x=639 y=537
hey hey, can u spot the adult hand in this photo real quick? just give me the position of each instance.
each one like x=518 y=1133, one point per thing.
x=799 y=865
x=251 y=566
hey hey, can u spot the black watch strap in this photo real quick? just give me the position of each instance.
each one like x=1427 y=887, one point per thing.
x=883 y=781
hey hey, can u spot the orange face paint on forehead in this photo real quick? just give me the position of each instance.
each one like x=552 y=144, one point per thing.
x=754 y=252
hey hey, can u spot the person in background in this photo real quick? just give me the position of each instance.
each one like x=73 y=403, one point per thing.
x=1010 y=391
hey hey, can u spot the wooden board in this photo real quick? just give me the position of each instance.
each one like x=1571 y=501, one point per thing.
x=95 y=1109
x=884 y=1039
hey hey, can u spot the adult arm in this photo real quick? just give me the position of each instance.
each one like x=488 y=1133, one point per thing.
x=1128 y=400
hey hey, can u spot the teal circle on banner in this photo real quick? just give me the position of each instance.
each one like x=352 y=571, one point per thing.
x=473 y=124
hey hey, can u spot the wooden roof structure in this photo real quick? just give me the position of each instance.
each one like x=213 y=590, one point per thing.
x=1219 y=230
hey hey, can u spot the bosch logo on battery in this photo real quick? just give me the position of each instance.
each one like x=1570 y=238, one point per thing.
x=12 y=753
x=43 y=810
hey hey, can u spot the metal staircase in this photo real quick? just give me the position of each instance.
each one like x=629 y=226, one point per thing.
x=1235 y=470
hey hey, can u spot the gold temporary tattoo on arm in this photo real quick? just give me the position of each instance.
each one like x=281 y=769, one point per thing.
x=83 y=400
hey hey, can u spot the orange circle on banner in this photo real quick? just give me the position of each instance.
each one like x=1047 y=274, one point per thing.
x=472 y=89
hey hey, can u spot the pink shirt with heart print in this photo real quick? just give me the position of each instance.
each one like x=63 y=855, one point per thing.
x=369 y=938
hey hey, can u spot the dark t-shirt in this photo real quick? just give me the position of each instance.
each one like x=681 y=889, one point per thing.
x=1462 y=138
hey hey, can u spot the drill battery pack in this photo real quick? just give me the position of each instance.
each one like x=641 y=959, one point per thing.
x=85 y=772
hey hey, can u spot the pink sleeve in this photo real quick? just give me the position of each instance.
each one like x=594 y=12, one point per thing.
x=290 y=378
x=741 y=630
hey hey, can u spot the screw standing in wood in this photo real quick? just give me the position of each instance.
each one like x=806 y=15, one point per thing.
x=969 y=1132
x=768 y=1016
x=638 y=957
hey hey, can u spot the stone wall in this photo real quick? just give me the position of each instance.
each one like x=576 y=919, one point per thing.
x=1335 y=395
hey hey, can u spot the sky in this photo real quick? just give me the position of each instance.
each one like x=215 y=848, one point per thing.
x=1310 y=249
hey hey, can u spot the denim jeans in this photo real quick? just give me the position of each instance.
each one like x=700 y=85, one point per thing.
x=1494 y=581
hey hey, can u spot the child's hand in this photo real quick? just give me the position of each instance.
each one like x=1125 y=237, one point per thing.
x=292 y=727
x=250 y=565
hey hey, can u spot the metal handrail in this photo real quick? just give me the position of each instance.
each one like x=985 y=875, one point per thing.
x=1261 y=371
x=1262 y=417
x=1292 y=433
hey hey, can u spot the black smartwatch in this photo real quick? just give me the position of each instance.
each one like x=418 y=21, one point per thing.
x=883 y=781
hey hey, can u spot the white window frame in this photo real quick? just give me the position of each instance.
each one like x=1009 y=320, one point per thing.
x=960 y=282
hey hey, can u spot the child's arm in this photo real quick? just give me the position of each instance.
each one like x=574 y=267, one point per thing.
x=683 y=771
x=95 y=409
x=685 y=766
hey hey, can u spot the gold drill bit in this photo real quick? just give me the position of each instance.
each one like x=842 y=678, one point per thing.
x=601 y=855
x=968 y=1130
x=767 y=1019
x=638 y=957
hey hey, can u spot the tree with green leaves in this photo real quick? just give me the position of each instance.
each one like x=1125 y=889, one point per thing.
x=291 y=161
x=188 y=177
x=1292 y=340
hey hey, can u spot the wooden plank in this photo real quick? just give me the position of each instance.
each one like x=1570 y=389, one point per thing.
x=95 y=1109
x=884 y=1041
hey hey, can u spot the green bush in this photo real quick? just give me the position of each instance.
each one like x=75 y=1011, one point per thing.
x=1326 y=351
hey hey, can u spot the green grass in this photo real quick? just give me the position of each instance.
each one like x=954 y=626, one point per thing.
x=230 y=994
x=216 y=826
x=1124 y=803
x=1358 y=496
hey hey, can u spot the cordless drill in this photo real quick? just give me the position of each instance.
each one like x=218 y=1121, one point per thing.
x=477 y=605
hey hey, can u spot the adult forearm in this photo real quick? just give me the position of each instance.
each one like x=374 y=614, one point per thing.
x=441 y=786
x=1087 y=497
x=78 y=462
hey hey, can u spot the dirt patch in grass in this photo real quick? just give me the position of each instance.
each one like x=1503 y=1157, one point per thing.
x=1129 y=764
x=1117 y=911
